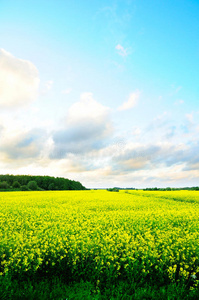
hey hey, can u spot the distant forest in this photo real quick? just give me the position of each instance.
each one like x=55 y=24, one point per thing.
x=193 y=188
x=37 y=183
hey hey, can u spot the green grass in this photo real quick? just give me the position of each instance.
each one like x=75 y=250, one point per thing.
x=57 y=289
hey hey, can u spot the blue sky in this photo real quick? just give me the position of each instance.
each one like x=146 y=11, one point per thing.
x=104 y=92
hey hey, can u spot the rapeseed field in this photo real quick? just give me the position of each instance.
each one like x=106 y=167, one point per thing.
x=100 y=236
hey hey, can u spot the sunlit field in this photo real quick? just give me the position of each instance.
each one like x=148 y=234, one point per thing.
x=105 y=238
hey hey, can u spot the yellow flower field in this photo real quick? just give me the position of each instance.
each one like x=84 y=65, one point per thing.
x=101 y=236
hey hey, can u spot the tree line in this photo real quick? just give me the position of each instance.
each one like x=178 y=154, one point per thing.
x=193 y=188
x=37 y=183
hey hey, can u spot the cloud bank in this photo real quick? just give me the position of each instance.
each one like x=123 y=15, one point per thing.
x=84 y=145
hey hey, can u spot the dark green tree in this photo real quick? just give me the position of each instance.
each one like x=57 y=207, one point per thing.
x=51 y=186
x=24 y=188
x=32 y=185
x=4 y=185
x=16 y=185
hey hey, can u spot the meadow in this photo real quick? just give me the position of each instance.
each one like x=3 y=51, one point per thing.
x=99 y=245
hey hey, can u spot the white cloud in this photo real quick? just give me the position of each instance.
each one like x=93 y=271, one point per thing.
x=136 y=131
x=22 y=145
x=131 y=102
x=19 y=80
x=49 y=84
x=175 y=89
x=178 y=89
x=47 y=87
x=87 y=109
x=87 y=127
x=179 y=102
x=189 y=117
x=67 y=91
x=121 y=50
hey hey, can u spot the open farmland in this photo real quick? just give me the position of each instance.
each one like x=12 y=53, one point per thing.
x=102 y=237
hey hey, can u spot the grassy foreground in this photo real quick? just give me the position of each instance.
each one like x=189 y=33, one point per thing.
x=99 y=245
